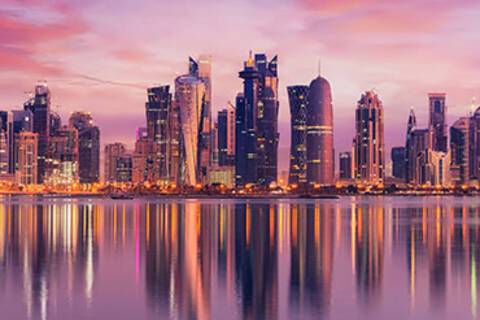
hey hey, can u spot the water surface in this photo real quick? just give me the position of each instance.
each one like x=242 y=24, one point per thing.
x=351 y=258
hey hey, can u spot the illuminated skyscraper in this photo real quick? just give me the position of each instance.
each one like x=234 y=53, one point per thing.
x=158 y=110
x=369 y=140
x=437 y=121
x=88 y=147
x=256 y=130
x=22 y=121
x=320 y=154
x=27 y=155
x=6 y=132
x=297 y=96
x=202 y=69
x=144 y=159
x=190 y=99
x=475 y=145
x=460 y=150
x=62 y=164
x=112 y=152
x=226 y=136
x=123 y=168
x=39 y=105
x=409 y=154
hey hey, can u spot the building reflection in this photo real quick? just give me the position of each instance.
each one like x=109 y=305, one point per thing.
x=312 y=245
x=258 y=259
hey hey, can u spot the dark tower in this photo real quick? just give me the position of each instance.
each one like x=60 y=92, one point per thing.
x=240 y=140
x=267 y=137
x=297 y=97
x=320 y=157
x=246 y=164
x=39 y=105
x=88 y=147
x=157 y=110
x=409 y=155
x=437 y=123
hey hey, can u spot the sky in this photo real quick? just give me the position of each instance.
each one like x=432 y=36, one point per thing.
x=100 y=56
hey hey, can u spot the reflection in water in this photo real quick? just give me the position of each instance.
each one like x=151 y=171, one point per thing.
x=254 y=260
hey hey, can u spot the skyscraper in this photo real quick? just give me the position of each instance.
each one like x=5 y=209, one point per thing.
x=409 y=154
x=158 y=110
x=202 y=69
x=39 y=105
x=5 y=140
x=267 y=137
x=475 y=145
x=112 y=152
x=437 y=121
x=88 y=147
x=256 y=135
x=144 y=159
x=62 y=164
x=226 y=136
x=345 y=165
x=398 y=162
x=190 y=98
x=22 y=121
x=320 y=155
x=460 y=150
x=369 y=140
x=297 y=97
x=27 y=155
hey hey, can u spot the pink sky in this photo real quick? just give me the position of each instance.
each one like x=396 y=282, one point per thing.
x=100 y=56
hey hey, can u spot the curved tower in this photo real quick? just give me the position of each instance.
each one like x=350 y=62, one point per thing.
x=297 y=97
x=190 y=98
x=320 y=157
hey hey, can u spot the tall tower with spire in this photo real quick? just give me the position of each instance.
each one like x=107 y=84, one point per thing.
x=409 y=156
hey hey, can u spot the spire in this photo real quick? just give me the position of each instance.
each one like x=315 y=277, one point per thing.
x=250 y=61
x=319 y=67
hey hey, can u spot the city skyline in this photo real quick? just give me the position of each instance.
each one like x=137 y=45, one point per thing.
x=89 y=77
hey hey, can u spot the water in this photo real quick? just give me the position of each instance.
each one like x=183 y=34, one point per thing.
x=352 y=258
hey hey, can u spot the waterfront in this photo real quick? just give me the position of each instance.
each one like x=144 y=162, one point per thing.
x=353 y=257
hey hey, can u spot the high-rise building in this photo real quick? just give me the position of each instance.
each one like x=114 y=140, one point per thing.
x=409 y=155
x=144 y=159
x=27 y=155
x=39 y=105
x=158 y=111
x=475 y=145
x=398 y=162
x=420 y=144
x=112 y=152
x=88 y=147
x=123 y=168
x=6 y=130
x=256 y=136
x=226 y=136
x=437 y=121
x=267 y=137
x=345 y=165
x=297 y=97
x=369 y=140
x=460 y=150
x=202 y=70
x=62 y=161
x=22 y=121
x=190 y=99
x=320 y=154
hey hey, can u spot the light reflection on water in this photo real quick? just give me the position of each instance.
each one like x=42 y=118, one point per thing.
x=362 y=258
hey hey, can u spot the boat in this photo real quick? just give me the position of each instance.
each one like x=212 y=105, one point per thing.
x=121 y=196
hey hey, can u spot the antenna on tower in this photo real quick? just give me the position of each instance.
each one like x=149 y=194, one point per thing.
x=319 y=67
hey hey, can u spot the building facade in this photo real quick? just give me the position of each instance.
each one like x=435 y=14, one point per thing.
x=437 y=121
x=27 y=156
x=297 y=97
x=88 y=147
x=346 y=169
x=398 y=156
x=112 y=152
x=460 y=149
x=39 y=105
x=369 y=140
